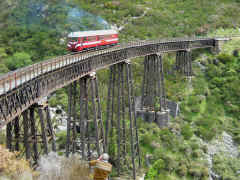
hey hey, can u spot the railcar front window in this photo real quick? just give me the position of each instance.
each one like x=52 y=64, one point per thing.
x=101 y=37
x=73 y=39
x=92 y=38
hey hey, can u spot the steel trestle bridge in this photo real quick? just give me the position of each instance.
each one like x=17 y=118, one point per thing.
x=29 y=125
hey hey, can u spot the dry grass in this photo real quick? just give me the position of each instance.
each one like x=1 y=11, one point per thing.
x=79 y=170
x=51 y=167
x=11 y=167
x=54 y=167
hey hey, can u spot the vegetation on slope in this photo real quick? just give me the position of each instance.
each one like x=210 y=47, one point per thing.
x=51 y=167
x=210 y=108
x=33 y=30
x=166 y=18
x=38 y=28
x=11 y=167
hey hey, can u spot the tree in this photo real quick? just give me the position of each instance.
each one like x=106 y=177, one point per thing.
x=3 y=69
x=18 y=60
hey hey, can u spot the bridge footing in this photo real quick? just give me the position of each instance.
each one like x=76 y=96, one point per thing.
x=161 y=118
x=147 y=116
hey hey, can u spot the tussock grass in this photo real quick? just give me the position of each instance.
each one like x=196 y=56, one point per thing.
x=12 y=168
x=54 y=167
x=51 y=167
x=79 y=169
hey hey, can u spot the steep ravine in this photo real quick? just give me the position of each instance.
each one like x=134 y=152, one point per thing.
x=221 y=144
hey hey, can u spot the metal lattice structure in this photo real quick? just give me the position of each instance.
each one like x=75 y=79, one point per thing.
x=85 y=133
x=184 y=62
x=153 y=106
x=32 y=133
x=120 y=99
x=153 y=90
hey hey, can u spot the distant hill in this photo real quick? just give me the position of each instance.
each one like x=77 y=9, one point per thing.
x=166 y=18
x=36 y=29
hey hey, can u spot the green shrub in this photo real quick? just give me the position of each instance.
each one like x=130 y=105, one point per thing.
x=197 y=153
x=198 y=170
x=194 y=145
x=169 y=139
x=146 y=139
x=18 y=60
x=237 y=139
x=2 y=137
x=3 y=69
x=205 y=133
x=170 y=162
x=226 y=166
x=61 y=139
x=183 y=147
x=182 y=170
x=187 y=131
x=156 y=170
x=225 y=58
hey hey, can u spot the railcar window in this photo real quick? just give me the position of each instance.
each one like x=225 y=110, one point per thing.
x=85 y=39
x=92 y=38
x=73 y=39
x=108 y=36
x=101 y=37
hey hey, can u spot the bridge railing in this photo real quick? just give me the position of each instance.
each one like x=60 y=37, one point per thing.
x=16 y=78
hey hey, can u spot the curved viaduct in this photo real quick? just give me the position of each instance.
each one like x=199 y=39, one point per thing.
x=39 y=80
x=22 y=89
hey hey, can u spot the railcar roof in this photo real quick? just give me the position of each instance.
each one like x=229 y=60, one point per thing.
x=91 y=33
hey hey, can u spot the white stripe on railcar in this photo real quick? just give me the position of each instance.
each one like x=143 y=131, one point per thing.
x=90 y=43
x=91 y=33
x=109 y=40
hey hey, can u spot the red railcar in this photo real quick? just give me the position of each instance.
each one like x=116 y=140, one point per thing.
x=84 y=40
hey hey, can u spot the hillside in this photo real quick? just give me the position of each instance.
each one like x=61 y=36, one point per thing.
x=33 y=30
x=164 y=18
x=204 y=139
x=37 y=29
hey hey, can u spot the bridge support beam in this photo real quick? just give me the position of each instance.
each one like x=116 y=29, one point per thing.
x=85 y=133
x=184 y=62
x=31 y=133
x=216 y=49
x=120 y=99
x=153 y=102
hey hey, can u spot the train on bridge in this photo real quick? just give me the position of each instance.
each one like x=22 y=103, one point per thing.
x=86 y=40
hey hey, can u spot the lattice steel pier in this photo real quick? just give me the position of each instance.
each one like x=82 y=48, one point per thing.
x=120 y=107
x=153 y=101
x=85 y=133
x=32 y=133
